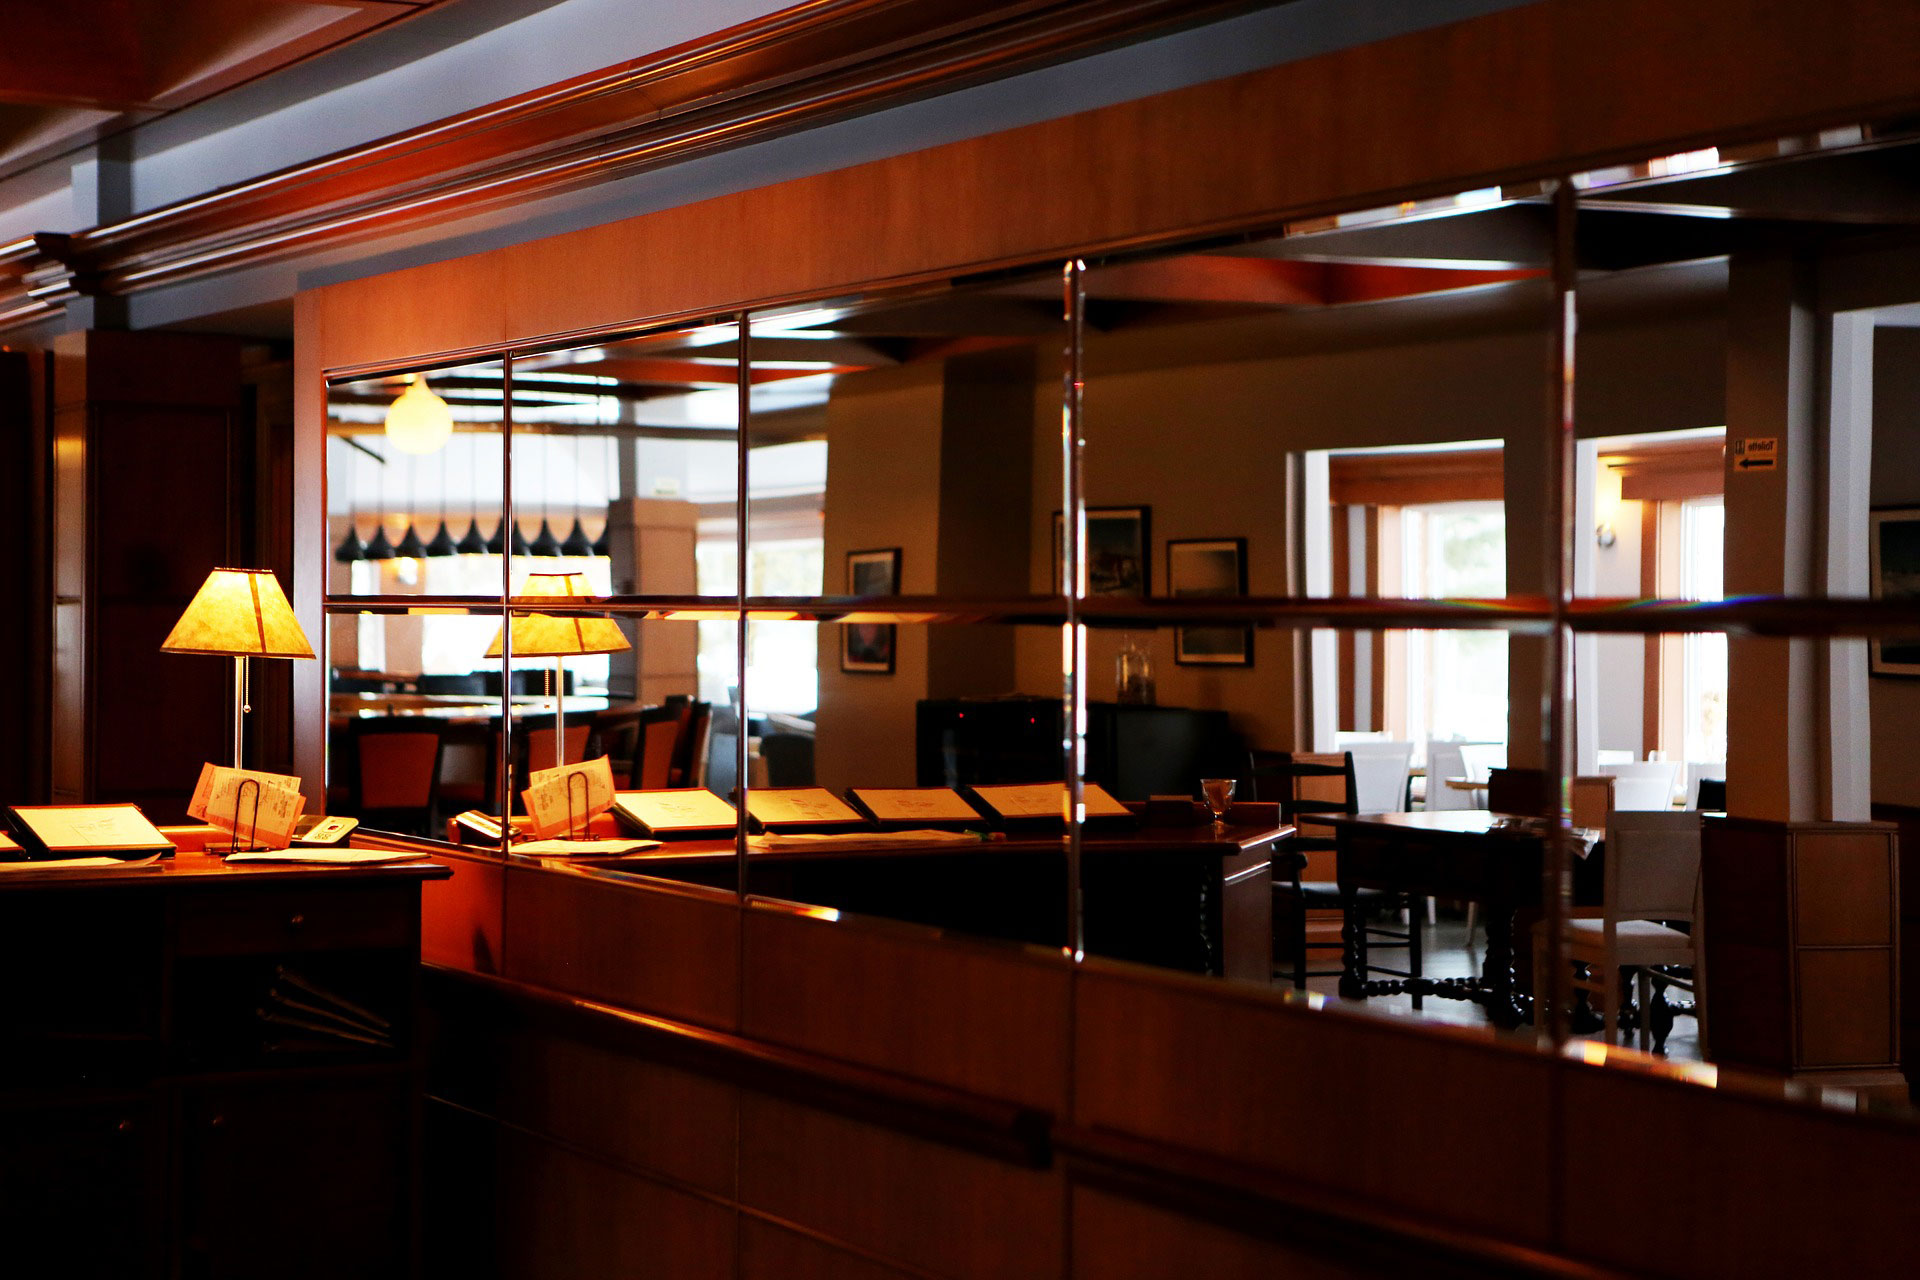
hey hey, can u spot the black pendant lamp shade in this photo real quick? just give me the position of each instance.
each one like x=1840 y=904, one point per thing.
x=497 y=544
x=442 y=543
x=472 y=542
x=603 y=545
x=380 y=548
x=544 y=543
x=519 y=542
x=411 y=548
x=350 y=548
x=576 y=543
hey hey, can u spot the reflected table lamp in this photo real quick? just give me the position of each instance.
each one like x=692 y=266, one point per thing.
x=239 y=613
x=542 y=635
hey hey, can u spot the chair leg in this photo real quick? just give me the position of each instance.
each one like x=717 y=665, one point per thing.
x=1414 y=944
x=1643 y=983
x=1433 y=913
x=1607 y=978
x=1299 y=945
x=1473 y=922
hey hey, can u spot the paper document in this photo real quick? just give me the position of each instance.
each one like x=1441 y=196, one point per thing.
x=252 y=806
x=915 y=804
x=332 y=857
x=584 y=848
x=799 y=805
x=564 y=799
x=80 y=864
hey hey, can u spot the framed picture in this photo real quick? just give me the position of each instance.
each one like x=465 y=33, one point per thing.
x=1118 y=541
x=1893 y=549
x=867 y=647
x=1209 y=567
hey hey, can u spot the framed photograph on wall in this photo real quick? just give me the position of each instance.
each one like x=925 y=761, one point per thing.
x=1893 y=550
x=866 y=648
x=1119 y=542
x=1209 y=567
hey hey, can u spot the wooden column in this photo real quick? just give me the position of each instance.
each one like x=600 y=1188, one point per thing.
x=148 y=497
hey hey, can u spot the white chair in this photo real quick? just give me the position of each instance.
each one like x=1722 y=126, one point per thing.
x=1380 y=772
x=1482 y=758
x=1643 y=784
x=1609 y=755
x=1652 y=874
x=1443 y=762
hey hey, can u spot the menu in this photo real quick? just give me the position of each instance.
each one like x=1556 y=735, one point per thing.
x=681 y=811
x=800 y=806
x=89 y=829
x=1048 y=800
x=563 y=800
x=264 y=806
x=914 y=804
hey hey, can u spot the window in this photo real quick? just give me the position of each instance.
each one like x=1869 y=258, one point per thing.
x=1456 y=681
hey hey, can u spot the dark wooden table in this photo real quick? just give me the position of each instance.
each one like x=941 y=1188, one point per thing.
x=1462 y=854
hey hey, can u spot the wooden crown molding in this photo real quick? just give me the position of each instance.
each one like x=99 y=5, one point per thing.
x=795 y=69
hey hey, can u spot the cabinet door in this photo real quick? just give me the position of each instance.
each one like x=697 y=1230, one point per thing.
x=299 y=1177
x=73 y=1187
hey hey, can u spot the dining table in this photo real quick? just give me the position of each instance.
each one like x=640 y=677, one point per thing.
x=1472 y=855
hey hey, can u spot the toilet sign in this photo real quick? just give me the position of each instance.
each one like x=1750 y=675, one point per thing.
x=1756 y=453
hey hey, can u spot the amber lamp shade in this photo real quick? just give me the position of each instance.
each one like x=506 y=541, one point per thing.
x=541 y=635
x=241 y=614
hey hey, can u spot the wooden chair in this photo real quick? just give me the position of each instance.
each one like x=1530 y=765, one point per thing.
x=1652 y=876
x=616 y=735
x=534 y=747
x=659 y=736
x=1304 y=878
x=689 y=768
x=394 y=784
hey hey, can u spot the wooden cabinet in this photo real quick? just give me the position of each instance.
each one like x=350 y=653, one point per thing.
x=167 y=1109
x=1802 y=942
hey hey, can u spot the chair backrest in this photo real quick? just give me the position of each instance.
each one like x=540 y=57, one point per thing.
x=1712 y=795
x=618 y=731
x=1307 y=783
x=1478 y=760
x=1380 y=770
x=1590 y=802
x=397 y=763
x=1444 y=761
x=1652 y=864
x=539 y=747
x=659 y=733
x=690 y=748
x=1704 y=782
x=1643 y=784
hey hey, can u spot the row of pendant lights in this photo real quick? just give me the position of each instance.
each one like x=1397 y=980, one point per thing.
x=420 y=422
x=471 y=543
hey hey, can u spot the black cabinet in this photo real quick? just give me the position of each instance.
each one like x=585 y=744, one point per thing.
x=1133 y=751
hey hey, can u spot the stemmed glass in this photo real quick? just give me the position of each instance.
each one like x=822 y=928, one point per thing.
x=1219 y=794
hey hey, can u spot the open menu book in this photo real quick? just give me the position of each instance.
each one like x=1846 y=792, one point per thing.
x=1039 y=801
x=62 y=831
x=678 y=812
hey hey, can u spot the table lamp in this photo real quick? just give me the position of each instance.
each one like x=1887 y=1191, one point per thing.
x=540 y=635
x=239 y=613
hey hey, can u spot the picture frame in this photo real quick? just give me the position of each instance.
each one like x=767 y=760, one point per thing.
x=1209 y=567
x=1119 y=547
x=1893 y=554
x=867 y=648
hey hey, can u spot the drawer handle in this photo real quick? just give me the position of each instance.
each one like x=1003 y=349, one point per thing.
x=218 y=1122
x=296 y=920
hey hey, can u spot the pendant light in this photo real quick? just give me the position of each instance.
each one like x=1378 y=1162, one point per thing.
x=473 y=542
x=378 y=548
x=545 y=544
x=410 y=547
x=442 y=543
x=576 y=543
x=418 y=421
x=351 y=548
x=603 y=545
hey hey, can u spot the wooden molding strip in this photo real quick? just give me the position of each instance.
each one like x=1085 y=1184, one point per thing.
x=791 y=70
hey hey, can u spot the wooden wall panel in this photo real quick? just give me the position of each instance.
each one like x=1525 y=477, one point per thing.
x=931 y=1206
x=1121 y=1239
x=1326 y=1100
x=562 y=1215
x=1675 y=1180
x=461 y=919
x=987 y=1019
x=1526 y=92
x=674 y=952
x=768 y=1252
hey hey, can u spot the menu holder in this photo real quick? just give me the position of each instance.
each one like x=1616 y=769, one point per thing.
x=477 y=827
x=1041 y=806
x=680 y=813
x=118 y=831
x=798 y=810
x=915 y=808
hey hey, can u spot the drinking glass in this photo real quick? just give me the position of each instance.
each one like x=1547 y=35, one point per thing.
x=1219 y=794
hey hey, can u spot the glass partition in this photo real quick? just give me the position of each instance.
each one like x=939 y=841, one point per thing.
x=417 y=527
